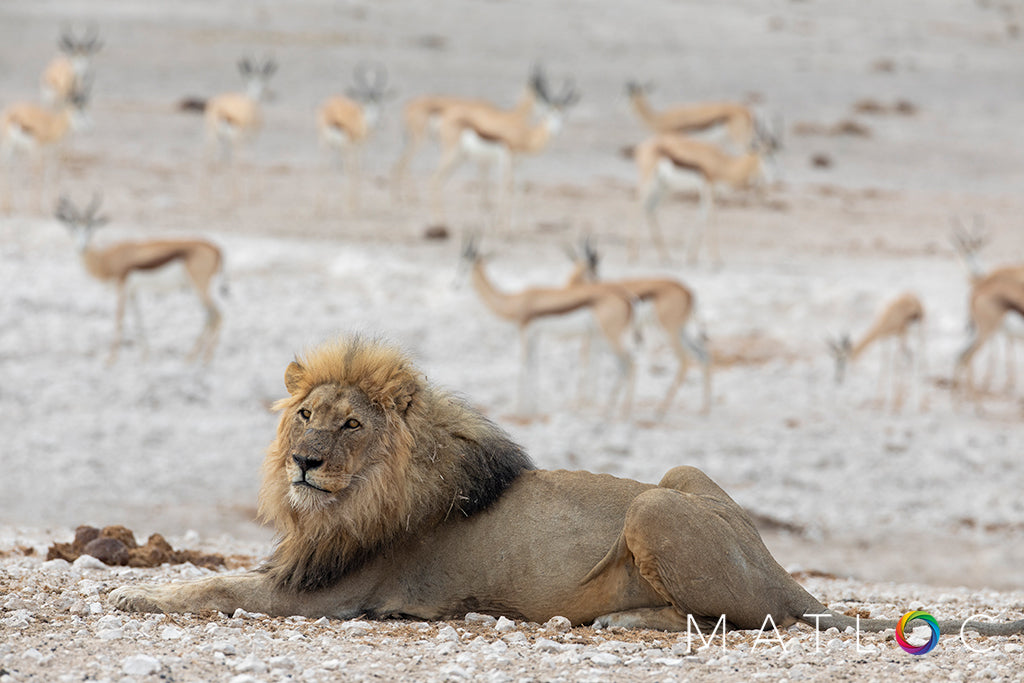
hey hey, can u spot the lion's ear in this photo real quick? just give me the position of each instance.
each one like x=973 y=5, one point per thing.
x=404 y=399
x=293 y=377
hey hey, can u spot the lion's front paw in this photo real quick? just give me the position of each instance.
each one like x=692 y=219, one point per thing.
x=138 y=599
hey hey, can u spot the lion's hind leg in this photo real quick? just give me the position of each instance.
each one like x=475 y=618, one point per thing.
x=700 y=552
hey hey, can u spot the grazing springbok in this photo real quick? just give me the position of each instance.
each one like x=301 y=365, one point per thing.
x=67 y=73
x=495 y=138
x=39 y=132
x=610 y=306
x=737 y=119
x=894 y=321
x=345 y=121
x=673 y=304
x=201 y=259
x=671 y=161
x=421 y=117
x=968 y=242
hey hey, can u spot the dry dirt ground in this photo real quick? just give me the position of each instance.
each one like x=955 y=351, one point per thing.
x=897 y=117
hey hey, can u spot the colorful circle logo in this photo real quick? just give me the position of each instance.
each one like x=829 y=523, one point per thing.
x=901 y=637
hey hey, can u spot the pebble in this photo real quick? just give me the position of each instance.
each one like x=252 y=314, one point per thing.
x=504 y=625
x=546 y=645
x=485 y=619
x=88 y=562
x=171 y=633
x=605 y=659
x=251 y=664
x=140 y=665
x=557 y=624
x=447 y=632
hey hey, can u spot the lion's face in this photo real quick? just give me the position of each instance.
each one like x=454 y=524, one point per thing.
x=333 y=436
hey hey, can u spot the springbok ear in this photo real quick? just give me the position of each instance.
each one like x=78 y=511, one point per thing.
x=293 y=377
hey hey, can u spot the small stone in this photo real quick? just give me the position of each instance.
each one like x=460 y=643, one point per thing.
x=57 y=565
x=546 y=645
x=251 y=664
x=111 y=634
x=281 y=662
x=88 y=562
x=171 y=633
x=109 y=621
x=485 y=619
x=140 y=665
x=356 y=628
x=13 y=603
x=448 y=633
x=605 y=659
x=109 y=551
x=504 y=625
x=558 y=624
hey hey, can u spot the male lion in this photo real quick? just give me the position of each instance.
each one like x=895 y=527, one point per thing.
x=394 y=498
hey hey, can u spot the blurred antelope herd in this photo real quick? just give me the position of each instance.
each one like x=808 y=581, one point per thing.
x=707 y=147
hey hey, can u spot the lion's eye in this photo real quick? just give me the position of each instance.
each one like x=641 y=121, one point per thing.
x=305 y=414
x=352 y=423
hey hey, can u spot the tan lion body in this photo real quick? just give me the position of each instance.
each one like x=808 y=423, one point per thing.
x=393 y=498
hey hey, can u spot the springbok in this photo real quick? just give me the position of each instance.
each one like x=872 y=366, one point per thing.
x=69 y=71
x=673 y=304
x=610 y=306
x=39 y=132
x=671 y=161
x=201 y=259
x=421 y=116
x=344 y=122
x=968 y=242
x=737 y=119
x=498 y=138
x=992 y=297
x=894 y=321
x=233 y=118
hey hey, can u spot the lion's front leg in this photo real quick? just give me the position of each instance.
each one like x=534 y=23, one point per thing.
x=252 y=591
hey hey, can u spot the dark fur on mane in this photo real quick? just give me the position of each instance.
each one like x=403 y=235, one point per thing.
x=443 y=460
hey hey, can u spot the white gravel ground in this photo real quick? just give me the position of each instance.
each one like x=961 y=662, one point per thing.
x=916 y=510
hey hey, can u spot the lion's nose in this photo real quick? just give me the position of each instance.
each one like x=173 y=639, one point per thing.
x=306 y=464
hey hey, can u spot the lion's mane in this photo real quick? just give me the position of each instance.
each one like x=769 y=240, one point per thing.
x=442 y=458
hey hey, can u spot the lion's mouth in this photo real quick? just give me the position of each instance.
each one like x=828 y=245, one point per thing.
x=309 y=484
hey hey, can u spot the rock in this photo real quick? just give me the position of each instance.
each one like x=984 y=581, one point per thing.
x=119 y=533
x=171 y=633
x=504 y=625
x=251 y=664
x=281 y=662
x=485 y=619
x=448 y=633
x=605 y=659
x=546 y=645
x=557 y=624
x=140 y=665
x=109 y=551
x=88 y=562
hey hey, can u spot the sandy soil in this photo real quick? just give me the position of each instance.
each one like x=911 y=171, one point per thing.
x=928 y=498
